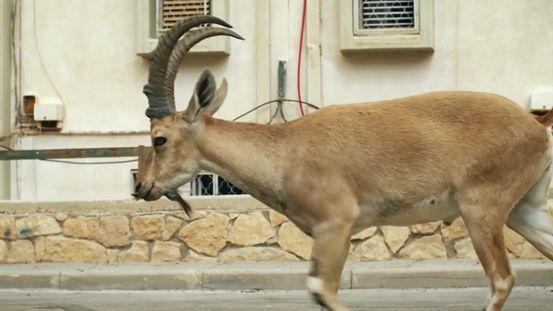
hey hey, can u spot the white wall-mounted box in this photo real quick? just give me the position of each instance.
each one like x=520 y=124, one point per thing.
x=541 y=100
x=49 y=111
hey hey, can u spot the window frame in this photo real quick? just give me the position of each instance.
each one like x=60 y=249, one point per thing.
x=147 y=23
x=354 y=39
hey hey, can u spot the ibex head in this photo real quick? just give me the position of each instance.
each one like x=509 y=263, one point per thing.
x=174 y=158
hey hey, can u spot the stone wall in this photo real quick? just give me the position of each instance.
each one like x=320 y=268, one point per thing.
x=220 y=230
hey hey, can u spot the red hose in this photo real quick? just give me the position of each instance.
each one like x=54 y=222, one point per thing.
x=298 y=76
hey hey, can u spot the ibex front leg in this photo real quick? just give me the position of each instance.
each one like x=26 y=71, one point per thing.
x=330 y=250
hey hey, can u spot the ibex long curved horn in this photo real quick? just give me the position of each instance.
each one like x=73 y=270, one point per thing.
x=183 y=46
x=155 y=89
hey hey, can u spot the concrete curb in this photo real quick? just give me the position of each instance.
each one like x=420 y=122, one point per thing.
x=261 y=276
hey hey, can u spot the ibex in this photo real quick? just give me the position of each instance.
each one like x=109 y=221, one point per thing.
x=343 y=168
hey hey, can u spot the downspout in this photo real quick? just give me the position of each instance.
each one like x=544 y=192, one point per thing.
x=262 y=58
x=314 y=54
x=5 y=92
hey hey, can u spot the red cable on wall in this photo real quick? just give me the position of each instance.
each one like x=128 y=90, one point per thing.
x=298 y=74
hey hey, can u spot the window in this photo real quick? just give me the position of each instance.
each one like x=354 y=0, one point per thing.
x=385 y=14
x=155 y=16
x=387 y=25
x=171 y=11
x=206 y=184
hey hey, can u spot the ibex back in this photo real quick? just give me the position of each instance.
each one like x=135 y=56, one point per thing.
x=337 y=171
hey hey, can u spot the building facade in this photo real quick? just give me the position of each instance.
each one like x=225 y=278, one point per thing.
x=84 y=56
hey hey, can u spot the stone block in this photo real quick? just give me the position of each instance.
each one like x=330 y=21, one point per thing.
x=207 y=235
x=37 y=224
x=62 y=249
x=138 y=252
x=250 y=229
x=395 y=237
x=148 y=227
x=371 y=249
x=427 y=247
x=166 y=251
x=292 y=239
x=21 y=251
x=113 y=231
x=7 y=228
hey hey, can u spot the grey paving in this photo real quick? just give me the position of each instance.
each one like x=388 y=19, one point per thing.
x=261 y=276
x=522 y=299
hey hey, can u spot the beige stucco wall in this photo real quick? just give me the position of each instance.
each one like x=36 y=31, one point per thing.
x=493 y=46
x=88 y=48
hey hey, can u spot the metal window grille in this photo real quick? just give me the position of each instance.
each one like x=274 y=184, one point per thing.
x=211 y=184
x=172 y=11
x=384 y=14
x=205 y=184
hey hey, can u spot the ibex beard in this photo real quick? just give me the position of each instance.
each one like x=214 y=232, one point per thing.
x=333 y=173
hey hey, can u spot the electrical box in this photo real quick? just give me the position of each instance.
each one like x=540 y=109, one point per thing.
x=49 y=111
x=541 y=100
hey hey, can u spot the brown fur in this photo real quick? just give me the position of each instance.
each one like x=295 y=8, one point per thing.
x=343 y=168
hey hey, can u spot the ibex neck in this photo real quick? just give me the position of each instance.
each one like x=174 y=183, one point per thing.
x=252 y=156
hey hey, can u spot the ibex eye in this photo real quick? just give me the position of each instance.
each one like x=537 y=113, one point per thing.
x=158 y=141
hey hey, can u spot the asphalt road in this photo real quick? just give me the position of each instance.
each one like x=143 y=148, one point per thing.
x=522 y=299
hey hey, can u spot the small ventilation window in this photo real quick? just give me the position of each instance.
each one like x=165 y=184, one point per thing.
x=153 y=17
x=371 y=25
x=173 y=11
x=384 y=14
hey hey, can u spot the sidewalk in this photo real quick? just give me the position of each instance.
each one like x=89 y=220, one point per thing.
x=261 y=276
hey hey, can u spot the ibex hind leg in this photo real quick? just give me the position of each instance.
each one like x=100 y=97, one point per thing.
x=485 y=216
x=532 y=219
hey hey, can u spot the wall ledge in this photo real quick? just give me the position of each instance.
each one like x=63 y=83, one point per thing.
x=235 y=203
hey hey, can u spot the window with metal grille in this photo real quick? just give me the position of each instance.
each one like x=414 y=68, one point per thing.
x=384 y=14
x=205 y=184
x=211 y=184
x=172 y=11
x=370 y=25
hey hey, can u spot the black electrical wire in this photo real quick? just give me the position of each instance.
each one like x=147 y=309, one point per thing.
x=275 y=101
x=274 y=115
x=279 y=108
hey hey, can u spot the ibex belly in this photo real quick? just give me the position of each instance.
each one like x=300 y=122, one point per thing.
x=398 y=212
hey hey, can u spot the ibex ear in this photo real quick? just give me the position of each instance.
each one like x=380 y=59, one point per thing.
x=218 y=99
x=205 y=98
